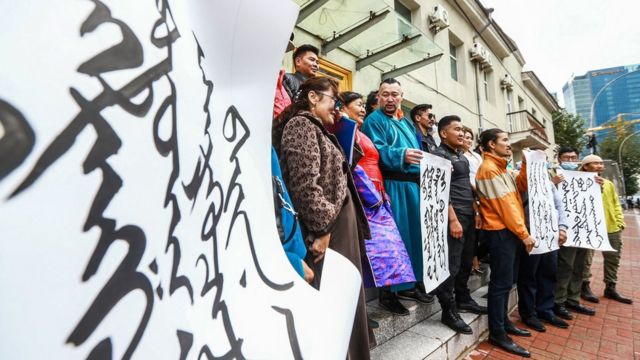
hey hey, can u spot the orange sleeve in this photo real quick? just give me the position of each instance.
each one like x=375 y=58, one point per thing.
x=521 y=179
x=506 y=204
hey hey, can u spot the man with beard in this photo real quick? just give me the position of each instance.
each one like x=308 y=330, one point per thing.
x=463 y=219
x=424 y=120
x=400 y=154
x=504 y=227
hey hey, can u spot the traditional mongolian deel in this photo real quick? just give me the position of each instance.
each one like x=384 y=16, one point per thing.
x=133 y=207
x=435 y=180
x=390 y=263
x=543 y=216
x=582 y=204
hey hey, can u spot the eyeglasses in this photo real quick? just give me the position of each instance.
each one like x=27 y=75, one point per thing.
x=336 y=101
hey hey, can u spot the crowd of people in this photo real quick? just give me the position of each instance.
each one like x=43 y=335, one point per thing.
x=363 y=202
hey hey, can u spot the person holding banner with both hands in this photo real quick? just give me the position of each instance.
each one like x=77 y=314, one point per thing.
x=463 y=220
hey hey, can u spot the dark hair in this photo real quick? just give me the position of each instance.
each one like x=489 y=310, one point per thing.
x=302 y=49
x=419 y=110
x=467 y=129
x=372 y=101
x=446 y=121
x=488 y=136
x=564 y=149
x=348 y=97
x=317 y=84
x=390 y=81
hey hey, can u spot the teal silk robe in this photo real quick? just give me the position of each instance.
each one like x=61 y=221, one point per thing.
x=392 y=137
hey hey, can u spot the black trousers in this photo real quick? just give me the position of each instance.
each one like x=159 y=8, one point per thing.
x=466 y=258
x=536 y=283
x=445 y=291
x=504 y=248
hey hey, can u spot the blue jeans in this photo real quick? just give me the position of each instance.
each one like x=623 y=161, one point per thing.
x=504 y=247
x=536 y=283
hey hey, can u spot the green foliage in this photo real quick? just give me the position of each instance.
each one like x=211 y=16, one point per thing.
x=609 y=147
x=569 y=129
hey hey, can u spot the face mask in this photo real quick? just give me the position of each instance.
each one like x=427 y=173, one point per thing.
x=570 y=165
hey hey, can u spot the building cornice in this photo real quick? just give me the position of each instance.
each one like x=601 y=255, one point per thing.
x=497 y=41
x=533 y=84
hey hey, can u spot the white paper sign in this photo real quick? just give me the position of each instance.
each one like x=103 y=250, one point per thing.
x=435 y=180
x=582 y=203
x=543 y=216
x=134 y=183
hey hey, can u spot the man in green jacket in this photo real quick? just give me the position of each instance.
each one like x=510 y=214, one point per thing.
x=615 y=224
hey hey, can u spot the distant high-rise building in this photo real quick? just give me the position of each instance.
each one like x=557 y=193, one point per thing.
x=622 y=96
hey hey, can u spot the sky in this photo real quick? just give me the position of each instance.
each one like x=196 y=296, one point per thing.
x=558 y=38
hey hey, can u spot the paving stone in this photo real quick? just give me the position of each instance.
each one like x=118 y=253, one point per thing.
x=614 y=333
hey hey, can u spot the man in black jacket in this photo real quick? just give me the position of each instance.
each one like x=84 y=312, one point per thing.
x=463 y=220
x=305 y=60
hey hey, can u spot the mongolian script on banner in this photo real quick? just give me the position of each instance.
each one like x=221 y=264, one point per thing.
x=435 y=180
x=543 y=216
x=582 y=204
x=133 y=187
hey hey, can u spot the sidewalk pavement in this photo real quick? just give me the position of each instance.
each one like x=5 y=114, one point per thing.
x=613 y=333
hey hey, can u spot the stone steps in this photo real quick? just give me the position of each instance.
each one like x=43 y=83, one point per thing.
x=430 y=339
x=392 y=325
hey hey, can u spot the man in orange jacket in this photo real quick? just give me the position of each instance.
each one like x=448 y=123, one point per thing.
x=505 y=230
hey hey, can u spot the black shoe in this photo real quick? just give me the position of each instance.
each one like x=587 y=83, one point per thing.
x=372 y=323
x=415 y=295
x=390 y=302
x=561 y=311
x=513 y=330
x=534 y=323
x=579 y=308
x=587 y=294
x=554 y=320
x=508 y=345
x=473 y=307
x=610 y=292
x=452 y=319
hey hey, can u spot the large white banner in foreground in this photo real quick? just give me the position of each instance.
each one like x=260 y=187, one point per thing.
x=435 y=180
x=582 y=203
x=134 y=179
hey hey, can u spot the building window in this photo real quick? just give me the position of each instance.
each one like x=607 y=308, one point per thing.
x=485 y=84
x=454 y=61
x=402 y=10
x=521 y=103
x=509 y=101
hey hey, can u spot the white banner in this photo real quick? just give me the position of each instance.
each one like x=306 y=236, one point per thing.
x=435 y=180
x=543 y=216
x=134 y=179
x=582 y=203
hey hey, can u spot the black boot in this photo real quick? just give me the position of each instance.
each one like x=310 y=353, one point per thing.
x=611 y=293
x=587 y=294
x=389 y=301
x=452 y=319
